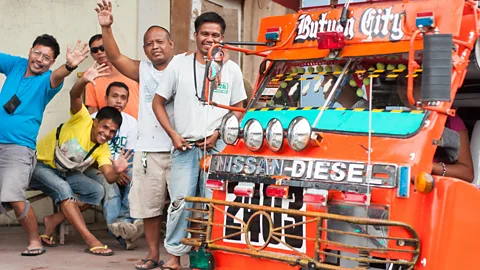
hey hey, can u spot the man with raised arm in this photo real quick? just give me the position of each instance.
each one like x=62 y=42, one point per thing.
x=68 y=150
x=95 y=94
x=29 y=87
x=195 y=129
x=151 y=165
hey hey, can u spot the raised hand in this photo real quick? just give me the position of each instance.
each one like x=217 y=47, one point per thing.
x=77 y=55
x=121 y=164
x=94 y=72
x=104 y=11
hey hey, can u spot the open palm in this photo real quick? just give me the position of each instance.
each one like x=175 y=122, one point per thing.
x=104 y=11
x=121 y=164
x=77 y=55
x=94 y=72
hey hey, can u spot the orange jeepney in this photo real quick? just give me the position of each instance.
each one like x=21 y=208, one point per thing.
x=330 y=166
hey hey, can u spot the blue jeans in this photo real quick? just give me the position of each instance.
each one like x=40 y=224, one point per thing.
x=186 y=180
x=66 y=186
x=115 y=203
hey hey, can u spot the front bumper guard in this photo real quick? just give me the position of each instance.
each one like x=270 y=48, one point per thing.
x=323 y=247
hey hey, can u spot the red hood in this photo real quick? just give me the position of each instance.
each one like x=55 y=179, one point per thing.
x=291 y=4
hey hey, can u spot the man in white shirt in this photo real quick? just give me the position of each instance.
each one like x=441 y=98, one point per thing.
x=196 y=125
x=116 y=207
x=152 y=162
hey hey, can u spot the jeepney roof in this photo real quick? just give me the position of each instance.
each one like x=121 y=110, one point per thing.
x=376 y=27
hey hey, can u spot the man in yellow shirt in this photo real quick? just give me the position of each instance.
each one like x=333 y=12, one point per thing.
x=67 y=151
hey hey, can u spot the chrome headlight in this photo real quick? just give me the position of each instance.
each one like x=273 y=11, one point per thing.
x=299 y=132
x=230 y=128
x=253 y=135
x=274 y=135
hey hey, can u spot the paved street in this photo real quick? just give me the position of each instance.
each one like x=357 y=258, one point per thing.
x=71 y=255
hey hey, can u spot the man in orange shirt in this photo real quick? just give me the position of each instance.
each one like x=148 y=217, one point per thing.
x=95 y=95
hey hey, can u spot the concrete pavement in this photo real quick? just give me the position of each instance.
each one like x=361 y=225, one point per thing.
x=71 y=255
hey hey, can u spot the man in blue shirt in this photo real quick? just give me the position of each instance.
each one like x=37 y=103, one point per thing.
x=29 y=87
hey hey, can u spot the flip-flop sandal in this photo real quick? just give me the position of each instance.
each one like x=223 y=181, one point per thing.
x=30 y=251
x=152 y=266
x=91 y=251
x=50 y=239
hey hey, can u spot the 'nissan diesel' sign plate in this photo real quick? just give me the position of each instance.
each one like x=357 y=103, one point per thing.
x=333 y=171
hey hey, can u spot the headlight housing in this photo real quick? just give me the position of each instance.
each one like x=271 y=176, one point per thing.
x=230 y=129
x=274 y=135
x=299 y=132
x=253 y=135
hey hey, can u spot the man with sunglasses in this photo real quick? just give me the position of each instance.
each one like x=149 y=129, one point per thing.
x=95 y=94
x=29 y=87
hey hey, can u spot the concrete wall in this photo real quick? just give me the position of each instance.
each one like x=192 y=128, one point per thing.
x=22 y=20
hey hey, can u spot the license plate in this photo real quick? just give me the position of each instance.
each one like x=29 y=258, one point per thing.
x=259 y=229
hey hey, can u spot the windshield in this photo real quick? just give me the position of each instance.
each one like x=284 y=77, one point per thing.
x=306 y=85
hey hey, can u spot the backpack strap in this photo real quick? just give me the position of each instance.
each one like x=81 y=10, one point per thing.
x=91 y=151
x=57 y=134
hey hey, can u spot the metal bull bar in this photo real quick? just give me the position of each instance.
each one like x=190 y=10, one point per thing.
x=323 y=247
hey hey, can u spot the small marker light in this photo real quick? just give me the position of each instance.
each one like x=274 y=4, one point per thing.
x=424 y=182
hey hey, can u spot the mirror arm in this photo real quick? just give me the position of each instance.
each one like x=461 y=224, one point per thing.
x=207 y=85
x=412 y=65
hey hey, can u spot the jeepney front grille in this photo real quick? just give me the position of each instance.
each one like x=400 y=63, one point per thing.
x=332 y=243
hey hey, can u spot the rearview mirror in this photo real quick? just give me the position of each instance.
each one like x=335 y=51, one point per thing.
x=216 y=64
x=437 y=67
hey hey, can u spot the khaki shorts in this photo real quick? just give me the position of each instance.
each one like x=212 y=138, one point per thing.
x=149 y=186
x=16 y=167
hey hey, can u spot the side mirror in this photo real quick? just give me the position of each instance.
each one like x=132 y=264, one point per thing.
x=437 y=67
x=216 y=64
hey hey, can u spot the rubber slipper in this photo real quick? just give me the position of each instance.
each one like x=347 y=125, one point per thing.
x=30 y=253
x=49 y=238
x=152 y=266
x=91 y=251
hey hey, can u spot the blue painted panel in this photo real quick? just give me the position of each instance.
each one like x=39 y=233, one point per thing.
x=386 y=122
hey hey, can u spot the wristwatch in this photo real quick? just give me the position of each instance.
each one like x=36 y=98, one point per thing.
x=69 y=68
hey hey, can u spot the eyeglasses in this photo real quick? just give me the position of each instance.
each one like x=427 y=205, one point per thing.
x=44 y=57
x=95 y=49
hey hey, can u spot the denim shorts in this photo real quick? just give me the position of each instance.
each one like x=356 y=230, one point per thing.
x=66 y=186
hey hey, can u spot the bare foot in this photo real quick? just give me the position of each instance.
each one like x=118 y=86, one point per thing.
x=173 y=262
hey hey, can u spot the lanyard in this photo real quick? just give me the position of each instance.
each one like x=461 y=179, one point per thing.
x=202 y=99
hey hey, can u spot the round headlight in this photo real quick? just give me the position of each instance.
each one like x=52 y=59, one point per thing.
x=253 y=135
x=274 y=135
x=299 y=132
x=230 y=128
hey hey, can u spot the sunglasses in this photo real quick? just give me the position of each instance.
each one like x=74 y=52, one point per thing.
x=95 y=49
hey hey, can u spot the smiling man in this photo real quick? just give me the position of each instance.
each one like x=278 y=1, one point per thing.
x=29 y=87
x=116 y=207
x=196 y=125
x=67 y=151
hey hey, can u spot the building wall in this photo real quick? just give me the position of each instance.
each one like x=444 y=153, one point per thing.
x=22 y=21
x=254 y=11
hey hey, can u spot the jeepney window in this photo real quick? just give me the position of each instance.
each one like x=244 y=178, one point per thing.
x=303 y=86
